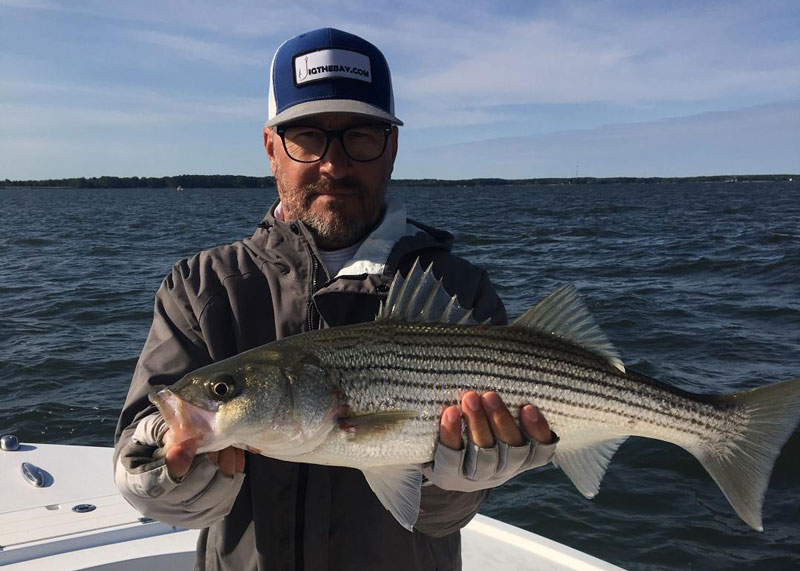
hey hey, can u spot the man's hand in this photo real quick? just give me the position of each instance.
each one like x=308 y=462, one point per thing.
x=180 y=456
x=487 y=419
x=497 y=449
x=168 y=491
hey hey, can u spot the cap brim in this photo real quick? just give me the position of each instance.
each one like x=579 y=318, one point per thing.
x=350 y=106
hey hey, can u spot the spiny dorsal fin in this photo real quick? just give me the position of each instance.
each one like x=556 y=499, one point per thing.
x=563 y=313
x=420 y=297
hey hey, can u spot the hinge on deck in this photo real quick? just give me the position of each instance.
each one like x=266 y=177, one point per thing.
x=146 y=520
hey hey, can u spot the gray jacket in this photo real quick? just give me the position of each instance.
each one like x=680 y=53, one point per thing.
x=280 y=515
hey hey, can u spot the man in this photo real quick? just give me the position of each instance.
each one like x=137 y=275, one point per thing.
x=324 y=256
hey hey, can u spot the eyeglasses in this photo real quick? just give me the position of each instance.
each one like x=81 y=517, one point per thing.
x=309 y=144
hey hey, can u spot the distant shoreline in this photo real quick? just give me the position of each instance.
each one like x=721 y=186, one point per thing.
x=236 y=181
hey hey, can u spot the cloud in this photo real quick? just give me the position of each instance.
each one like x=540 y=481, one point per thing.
x=63 y=106
x=597 y=52
x=215 y=52
x=275 y=20
x=29 y=4
x=761 y=139
x=461 y=72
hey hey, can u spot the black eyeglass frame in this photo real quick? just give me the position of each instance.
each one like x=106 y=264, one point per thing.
x=331 y=133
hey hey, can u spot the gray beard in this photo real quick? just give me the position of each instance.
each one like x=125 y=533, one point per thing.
x=333 y=235
x=339 y=232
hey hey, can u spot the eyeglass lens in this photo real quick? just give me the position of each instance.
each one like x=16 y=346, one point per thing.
x=309 y=144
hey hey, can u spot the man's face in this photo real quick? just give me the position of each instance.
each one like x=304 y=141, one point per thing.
x=338 y=198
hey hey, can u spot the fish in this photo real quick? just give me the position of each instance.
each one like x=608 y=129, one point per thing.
x=370 y=396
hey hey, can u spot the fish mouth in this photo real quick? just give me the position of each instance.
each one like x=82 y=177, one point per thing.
x=184 y=420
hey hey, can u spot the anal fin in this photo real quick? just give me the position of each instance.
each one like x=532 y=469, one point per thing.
x=399 y=489
x=586 y=465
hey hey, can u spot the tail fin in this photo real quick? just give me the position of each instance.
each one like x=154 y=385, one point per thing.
x=742 y=469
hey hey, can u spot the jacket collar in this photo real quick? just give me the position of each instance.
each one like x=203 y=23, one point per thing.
x=372 y=255
x=379 y=254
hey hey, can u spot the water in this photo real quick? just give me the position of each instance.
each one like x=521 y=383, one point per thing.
x=696 y=284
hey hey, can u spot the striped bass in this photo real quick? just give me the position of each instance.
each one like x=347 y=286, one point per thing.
x=370 y=396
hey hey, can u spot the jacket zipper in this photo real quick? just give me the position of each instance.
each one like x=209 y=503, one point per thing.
x=312 y=316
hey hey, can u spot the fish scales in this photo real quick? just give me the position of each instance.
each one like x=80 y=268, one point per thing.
x=430 y=352
x=477 y=349
x=427 y=367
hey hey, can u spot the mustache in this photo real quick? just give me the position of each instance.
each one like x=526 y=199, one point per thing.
x=340 y=185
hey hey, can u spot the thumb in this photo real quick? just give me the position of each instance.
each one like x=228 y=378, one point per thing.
x=179 y=458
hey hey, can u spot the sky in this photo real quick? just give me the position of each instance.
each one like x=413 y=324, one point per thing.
x=512 y=89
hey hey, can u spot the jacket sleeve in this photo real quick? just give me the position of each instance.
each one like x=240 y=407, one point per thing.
x=459 y=480
x=487 y=304
x=442 y=512
x=196 y=500
x=175 y=345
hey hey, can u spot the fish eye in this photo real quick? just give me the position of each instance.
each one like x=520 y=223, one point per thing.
x=222 y=387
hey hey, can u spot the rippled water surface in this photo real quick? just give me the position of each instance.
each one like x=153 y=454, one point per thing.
x=696 y=284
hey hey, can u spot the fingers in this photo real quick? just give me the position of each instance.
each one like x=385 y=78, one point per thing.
x=488 y=419
x=179 y=458
x=500 y=420
x=478 y=429
x=535 y=424
x=450 y=429
x=229 y=460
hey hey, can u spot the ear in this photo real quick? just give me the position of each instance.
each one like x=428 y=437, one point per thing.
x=393 y=138
x=395 y=133
x=269 y=147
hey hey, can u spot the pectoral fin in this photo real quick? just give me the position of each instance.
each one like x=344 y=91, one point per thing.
x=399 y=490
x=359 y=426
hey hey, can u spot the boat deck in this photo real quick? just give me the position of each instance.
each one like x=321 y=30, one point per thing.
x=40 y=527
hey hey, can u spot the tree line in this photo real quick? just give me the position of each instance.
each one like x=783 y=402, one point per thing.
x=188 y=181
x=169 y=182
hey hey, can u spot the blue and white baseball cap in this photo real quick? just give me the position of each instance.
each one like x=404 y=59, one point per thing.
x=329 y=71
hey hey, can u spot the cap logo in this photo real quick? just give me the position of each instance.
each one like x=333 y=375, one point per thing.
x=325 y=64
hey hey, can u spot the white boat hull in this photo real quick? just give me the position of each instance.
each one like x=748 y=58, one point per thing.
x=39 y=528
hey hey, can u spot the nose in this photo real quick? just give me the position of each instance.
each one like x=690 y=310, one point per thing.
x=335 y=161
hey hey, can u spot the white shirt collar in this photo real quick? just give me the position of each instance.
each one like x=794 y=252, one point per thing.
x=369 y=256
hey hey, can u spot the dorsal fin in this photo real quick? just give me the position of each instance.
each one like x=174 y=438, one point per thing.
x=563 y=313
x=420 y=297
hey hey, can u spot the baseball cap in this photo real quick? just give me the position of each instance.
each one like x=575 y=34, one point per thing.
x=329 y=71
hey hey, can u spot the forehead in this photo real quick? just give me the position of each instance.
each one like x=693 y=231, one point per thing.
x=336 y=120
